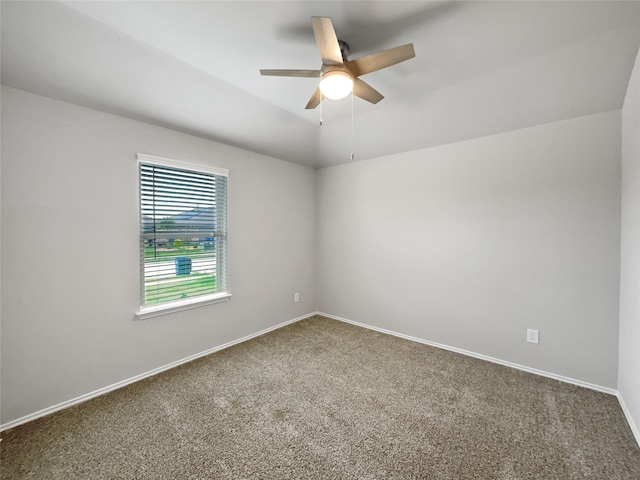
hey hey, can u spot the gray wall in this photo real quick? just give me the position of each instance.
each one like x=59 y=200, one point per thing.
x=629 y=363
x=465 y=244
x=470 y=244
x=70 y=267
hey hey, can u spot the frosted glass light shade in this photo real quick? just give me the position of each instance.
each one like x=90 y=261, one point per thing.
x=336 y=84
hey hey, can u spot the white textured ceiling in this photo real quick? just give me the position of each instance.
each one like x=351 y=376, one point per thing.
x=480 y=68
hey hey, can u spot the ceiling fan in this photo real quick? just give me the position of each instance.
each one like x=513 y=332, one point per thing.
x=338 y=75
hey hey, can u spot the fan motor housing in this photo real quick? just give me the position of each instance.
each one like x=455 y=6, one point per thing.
x=344 y=49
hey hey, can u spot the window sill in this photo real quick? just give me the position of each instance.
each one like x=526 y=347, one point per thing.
x=180 y=305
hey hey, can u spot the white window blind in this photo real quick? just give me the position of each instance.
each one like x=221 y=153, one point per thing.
x=183 y=231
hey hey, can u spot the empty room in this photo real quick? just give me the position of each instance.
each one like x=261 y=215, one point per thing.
x=320 y=239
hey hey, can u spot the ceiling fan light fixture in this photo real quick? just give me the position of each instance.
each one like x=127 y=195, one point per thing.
x=336 y=84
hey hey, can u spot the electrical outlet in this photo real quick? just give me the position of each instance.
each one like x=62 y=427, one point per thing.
x=533 y=336
x=296 y=297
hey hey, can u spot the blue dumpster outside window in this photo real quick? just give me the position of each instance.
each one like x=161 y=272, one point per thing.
x=183 y=265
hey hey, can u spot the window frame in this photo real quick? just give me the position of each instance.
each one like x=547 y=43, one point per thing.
x=154 y=310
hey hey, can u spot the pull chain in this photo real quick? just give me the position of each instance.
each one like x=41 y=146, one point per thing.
x=352 y=155
x=321 y=102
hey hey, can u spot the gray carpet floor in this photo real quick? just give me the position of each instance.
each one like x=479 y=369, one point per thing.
x=324 y=399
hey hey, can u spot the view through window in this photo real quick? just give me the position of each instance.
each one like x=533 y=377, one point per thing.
x=183 y=230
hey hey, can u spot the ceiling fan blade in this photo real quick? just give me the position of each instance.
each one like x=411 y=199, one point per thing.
x=380 y=60
x=315 y=100
x=291 y=73
x=365 y=91
x=327 y=41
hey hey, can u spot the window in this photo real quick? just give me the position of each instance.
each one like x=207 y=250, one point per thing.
x=183 y=235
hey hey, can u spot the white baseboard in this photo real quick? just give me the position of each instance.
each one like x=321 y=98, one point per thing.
x=627 y=413
x=630 y=421
x=101 y=391
x=480 y=356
